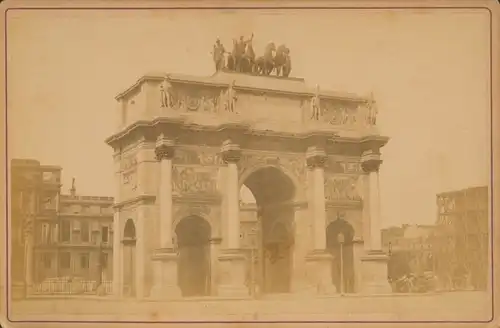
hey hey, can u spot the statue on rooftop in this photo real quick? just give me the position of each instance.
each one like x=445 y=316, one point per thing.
x=371 y=118
x=315 y=105
x=282 y=61
x=229 y=98
x=166 y=95
x=242 y=58
x=218 y=55
x=240 y=52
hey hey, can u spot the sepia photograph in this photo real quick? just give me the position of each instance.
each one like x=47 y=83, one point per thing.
x=248 y=164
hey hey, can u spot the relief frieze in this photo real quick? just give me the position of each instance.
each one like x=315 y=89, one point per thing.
x=200 y=156
x=187 y=99
x=336 y=165
x=129 y=163
x=339 y=113
x=342 y=188
x=192 y=180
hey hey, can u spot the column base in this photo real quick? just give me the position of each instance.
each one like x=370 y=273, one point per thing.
x=374 y=273
x=232 y=274
x=165 y=286
x=319 y=273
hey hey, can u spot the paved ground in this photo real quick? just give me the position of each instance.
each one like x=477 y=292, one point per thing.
x=455 y=306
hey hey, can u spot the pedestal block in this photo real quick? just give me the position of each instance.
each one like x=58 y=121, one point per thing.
x=165 y=285
x=374 y=273
x=319 y=268
x=232 y=274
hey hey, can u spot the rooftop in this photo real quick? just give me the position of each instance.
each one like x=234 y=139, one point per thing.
x=86 y=199
x=248 y=81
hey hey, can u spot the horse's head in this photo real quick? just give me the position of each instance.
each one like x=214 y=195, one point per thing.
x=270 y=47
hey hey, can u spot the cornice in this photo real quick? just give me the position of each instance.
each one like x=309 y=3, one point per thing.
x=329 y=138
x=139 y=200
x=197 y=198
x=345 y=204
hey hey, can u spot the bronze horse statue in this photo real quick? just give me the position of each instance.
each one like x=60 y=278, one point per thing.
x=265 y=64
x=242 y=59
x=282 y=61
x=247 y=64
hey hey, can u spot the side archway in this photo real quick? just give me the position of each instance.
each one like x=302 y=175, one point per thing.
x=193 y=241
x=129 y=258
x=339 y=242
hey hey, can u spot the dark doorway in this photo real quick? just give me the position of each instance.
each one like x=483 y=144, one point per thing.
x=274 y=193
x=193 y=240
x=339 y=241
x=129 y=239
x=277 y=265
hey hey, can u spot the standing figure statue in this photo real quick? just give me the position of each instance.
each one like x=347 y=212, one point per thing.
x=372 y=111
x=239 y=52
x=316 y=106
x=287 y=66
x=218 y=55
x=166 y=95
x=249 y=57
x=231 y=97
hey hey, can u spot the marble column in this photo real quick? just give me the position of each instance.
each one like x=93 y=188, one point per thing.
x=117 y=233
x=214 y=261
x=374 y=261
x=165 y=257
x=165 y=153
x=117 y=256
x=319 y=260
x=232 y=261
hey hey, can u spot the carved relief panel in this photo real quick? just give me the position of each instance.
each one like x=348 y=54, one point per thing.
x=196 y=171
x=191 y=99
x=337 y=112
x=342 y=179
x=128 y=168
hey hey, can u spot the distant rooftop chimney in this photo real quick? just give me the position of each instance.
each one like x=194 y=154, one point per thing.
x=72 y=191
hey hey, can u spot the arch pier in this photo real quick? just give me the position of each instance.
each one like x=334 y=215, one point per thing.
x=180 y=227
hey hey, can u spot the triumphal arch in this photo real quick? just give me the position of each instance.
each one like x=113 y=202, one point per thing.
x=183 y=148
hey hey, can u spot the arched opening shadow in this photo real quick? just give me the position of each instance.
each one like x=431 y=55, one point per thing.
x=272 y=190
x=339 y=242
x=129 y=259
x=193 y=240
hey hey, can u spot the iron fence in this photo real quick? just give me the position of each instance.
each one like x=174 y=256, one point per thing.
x=71 y=287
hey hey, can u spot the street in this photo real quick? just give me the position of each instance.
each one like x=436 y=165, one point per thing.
x=454 y=306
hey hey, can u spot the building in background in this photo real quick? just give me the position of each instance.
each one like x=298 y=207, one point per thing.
x=31 y=185
x=412 y=244
x=77 y=243
x=57 y=238
x=462 y=238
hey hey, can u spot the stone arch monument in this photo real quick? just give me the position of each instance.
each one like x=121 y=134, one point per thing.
x=184 y=145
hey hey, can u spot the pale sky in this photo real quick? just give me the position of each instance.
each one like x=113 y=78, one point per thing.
x=429 y=71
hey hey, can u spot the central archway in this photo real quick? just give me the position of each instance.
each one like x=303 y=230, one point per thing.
x=193 y=241
x=339 y=242
x=273 y=192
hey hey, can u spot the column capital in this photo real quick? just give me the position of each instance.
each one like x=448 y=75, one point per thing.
x=230 y=152
x=370 y=161
x=165 y=148
x=316 y=157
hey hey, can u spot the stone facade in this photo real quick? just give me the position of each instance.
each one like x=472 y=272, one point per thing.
x=183 y=148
